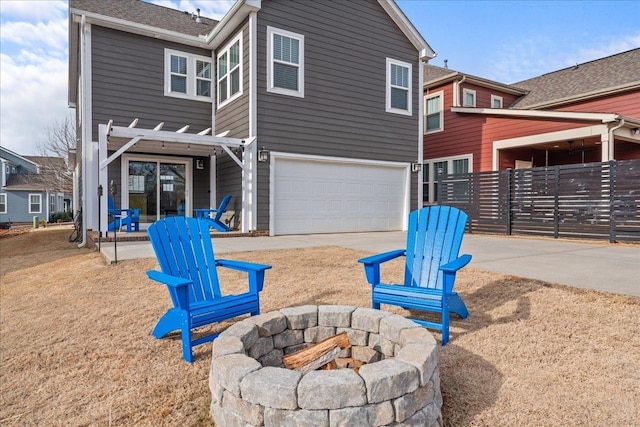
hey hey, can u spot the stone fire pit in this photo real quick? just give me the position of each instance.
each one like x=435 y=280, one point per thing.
x=398 y=386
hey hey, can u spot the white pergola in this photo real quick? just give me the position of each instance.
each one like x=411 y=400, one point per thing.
x=120 y=139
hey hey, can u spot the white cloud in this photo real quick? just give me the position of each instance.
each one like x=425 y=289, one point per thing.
x=33 y=77
x=532 y=57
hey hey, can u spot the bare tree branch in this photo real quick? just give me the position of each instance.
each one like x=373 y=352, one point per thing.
x=54 y=151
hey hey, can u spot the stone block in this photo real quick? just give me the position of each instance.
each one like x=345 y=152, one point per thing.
x=427 y=416
x=375 y=415
x=301 y=317
x=334 y=389
x=229 y=370
x=365 y=354
x=224 y=345
x=388 y=379
x=421 y=335
x=261 y=347
x=381 y=345
x=246 y=411
x=318 y=333
x=356 y=336
x=391 y=327
x=217 y=391
x=423 y=357
x=335 y=315
x=367 y=319
x=273 y=358
x=269 y=324
x=272 y=387
x=222 y=417
x=301 y=417
x=246 y=330
x=288 y=338
x=294 y=348
x=407 y=405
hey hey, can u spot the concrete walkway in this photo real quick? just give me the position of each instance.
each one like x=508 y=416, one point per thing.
x=601 y=266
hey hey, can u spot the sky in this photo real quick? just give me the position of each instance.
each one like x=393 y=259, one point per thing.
x=505 y=41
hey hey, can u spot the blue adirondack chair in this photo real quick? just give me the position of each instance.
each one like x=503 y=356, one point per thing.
x=215 y=222
x=185 y=254
x=434 y=237
x=126 y=217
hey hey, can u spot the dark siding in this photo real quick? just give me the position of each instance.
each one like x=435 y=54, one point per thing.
x=234 y=117
x=342 y=113
x=128 y=81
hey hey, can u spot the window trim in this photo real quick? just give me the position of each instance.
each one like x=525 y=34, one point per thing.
x=388 y=87
x=496 y=98
x=271 y=31
x=466 y=92
x=3 y=196
x=191 y=75
x=449 y=160
x=226 y=49
x=426 y=98
x=39 y=203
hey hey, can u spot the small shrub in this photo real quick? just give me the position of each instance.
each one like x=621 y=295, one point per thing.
x=61 y=217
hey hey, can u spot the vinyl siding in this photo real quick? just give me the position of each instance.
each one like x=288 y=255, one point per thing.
x=128 y=83
x=18 y=207
x=343 y=112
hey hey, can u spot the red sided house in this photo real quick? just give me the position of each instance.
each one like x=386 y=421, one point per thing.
x=586 y=113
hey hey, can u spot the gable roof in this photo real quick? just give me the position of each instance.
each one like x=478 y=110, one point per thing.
x=603 y=76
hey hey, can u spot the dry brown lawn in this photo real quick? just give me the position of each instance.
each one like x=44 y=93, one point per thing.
x=76 y=347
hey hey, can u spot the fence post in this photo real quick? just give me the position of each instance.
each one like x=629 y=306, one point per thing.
x=612 y=200
x=508 y=201
x=556 y=202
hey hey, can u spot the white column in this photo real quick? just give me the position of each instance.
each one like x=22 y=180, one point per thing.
x=102 y=179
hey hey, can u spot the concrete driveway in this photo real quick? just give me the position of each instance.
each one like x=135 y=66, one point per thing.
x=601 y=266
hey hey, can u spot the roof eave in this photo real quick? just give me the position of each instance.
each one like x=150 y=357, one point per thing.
x=409 y=30
x=567 y=115
x=136 y=28
x=230 y=21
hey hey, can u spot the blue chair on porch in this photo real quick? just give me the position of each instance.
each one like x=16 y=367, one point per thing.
x=122 y=217
x=188 y=267
x=434 y=238
x=215 y=222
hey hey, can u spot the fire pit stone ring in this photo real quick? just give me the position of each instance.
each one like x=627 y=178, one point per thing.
x=398 y=384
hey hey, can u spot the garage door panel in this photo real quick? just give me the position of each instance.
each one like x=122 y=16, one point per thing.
x=328 y=197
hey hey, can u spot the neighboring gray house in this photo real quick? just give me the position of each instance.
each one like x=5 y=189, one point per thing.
x=309 y=113
x=31 y=186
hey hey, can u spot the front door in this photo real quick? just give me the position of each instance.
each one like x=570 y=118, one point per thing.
x=158 y=186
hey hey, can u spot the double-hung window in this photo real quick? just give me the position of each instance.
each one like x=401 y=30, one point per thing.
x=230 y=71
x=434 y=112
x=187 y=75
x=496 y=101
x=3 y=203
x=468 y=98
x=398 y=87
x=285 y=62
x=35 y=203
x=436 y=169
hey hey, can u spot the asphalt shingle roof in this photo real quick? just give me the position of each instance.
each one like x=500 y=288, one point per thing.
x=148 y=14
x=594 y=76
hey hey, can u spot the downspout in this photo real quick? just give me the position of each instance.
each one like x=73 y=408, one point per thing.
x=613 y=129
x=456 y=91
x=83 y=157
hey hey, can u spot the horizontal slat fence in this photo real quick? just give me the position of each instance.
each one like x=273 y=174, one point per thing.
x=590 y=200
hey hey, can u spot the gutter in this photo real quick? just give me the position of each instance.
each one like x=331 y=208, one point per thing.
x=456 y=90
x=611 y=145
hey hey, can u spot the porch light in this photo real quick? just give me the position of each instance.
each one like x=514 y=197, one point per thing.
x=263 y=155
x=416 y=167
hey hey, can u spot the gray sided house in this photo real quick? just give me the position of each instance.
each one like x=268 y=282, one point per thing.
x=308 y=113
x=32 y=186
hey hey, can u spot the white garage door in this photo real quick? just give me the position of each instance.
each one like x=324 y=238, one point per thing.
x=316 y=196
